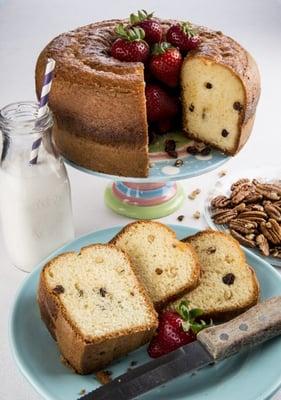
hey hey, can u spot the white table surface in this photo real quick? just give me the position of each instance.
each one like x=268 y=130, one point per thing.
x=27 y=25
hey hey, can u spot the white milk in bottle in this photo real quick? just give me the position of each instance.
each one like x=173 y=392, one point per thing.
x=35 y=202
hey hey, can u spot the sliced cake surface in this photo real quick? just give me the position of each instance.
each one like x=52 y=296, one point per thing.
x=166 y=266
x=92 y=301
x=220 y=90
x=228 y=286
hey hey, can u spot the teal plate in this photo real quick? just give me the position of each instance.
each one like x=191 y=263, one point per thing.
x=251 y=375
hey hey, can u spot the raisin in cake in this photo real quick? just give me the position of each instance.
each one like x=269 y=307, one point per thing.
x=99 y=103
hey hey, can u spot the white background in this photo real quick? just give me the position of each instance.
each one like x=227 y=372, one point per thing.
x=25 y=28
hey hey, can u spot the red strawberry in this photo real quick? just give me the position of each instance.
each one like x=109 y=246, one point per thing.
x=164 y=126
x=152 y=29
x=129 y=46
x=159 y=104
x=176 y=328
x=183 y=36
x=165 y=63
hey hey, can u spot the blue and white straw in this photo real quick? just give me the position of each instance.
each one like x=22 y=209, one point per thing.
x=43 y=104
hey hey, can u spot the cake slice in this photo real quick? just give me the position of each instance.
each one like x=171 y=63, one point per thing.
x=228 y=286
x=166 y=266
x=220 y=89
x=94 y=306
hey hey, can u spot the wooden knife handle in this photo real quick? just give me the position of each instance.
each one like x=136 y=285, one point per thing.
x=260 y=323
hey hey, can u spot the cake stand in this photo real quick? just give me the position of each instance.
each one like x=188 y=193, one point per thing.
x=159 y=194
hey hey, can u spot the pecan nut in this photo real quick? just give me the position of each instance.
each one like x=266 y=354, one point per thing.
x=239 y=183
x=273 y=211
x=253 y=198
x=241 y=193
x=243 y=226
x=270 y=187
x=241 y=207
x=224 y=217
x=220 y=202
x=257 y=216
x=267 y=190
x=262 y=242
x=252 y=213
x=254 y=207
x=278 y=203
x=271 y=230
x=241 y=239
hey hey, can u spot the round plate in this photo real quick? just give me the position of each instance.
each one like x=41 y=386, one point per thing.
x=165 y=170
x=222 y=187
x=251 y=375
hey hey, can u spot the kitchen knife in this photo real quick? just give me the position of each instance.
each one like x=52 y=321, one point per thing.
x=260 y=323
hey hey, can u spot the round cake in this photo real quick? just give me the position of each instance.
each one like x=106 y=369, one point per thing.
x=100 y=107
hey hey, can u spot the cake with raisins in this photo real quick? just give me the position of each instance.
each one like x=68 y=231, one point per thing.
x=99 y=102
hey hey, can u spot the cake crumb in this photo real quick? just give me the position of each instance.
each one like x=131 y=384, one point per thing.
x=104 y=377
x=197 y=215
x=180 y=218
x=222 y=173
x=194 y=194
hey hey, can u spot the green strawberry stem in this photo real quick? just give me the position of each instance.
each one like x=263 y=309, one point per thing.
x=131 y=34
x=189 y=317
x=142 y=15
x=188 y=29
x=161 y=48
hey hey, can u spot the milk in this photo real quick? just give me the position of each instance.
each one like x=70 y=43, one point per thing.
x=35 y=208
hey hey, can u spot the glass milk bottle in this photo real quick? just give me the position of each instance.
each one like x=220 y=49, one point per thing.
x=35 y=203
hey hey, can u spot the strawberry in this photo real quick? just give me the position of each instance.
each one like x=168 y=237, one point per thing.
x=164 y=126
x=160 y=105
x=152 y=29
x=176 y=328
x=129 y=46
x=183 y=36
x=165 y=63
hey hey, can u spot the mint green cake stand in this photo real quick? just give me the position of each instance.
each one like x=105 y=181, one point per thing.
x=159 y=194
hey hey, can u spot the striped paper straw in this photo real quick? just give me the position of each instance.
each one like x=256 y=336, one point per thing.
x=43 y=104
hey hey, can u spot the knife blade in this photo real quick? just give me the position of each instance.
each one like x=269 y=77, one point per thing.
x=262 y=322
x=154 y=373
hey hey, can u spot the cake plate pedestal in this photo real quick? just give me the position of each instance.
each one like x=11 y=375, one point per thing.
x=159 y=194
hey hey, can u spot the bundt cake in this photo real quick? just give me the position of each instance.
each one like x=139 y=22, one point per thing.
x=99 y=102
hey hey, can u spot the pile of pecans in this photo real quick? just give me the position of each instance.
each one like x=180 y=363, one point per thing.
x=252 y=213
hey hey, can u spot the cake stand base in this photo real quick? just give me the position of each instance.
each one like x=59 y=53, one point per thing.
x=144 y=200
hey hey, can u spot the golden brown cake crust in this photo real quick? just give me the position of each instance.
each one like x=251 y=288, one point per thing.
x=101 y=99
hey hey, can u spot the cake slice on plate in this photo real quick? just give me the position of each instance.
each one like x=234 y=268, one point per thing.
x=94 y=306
x=166 y=266
x=228 y=285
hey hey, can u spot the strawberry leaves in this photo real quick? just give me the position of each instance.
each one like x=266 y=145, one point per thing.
x=142 y=15
x=131 y=34
x=189 y=317
x=188 y=29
